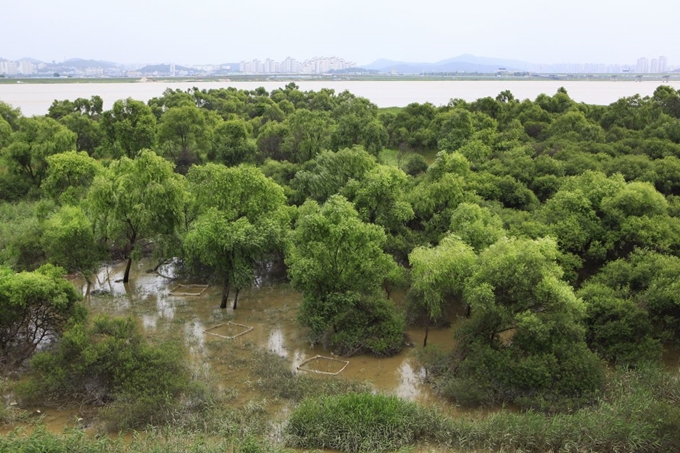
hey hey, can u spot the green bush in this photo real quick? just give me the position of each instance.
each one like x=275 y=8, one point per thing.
x=617 y=329
x=35 y=307
x=373 y=325
x=360 y=422
x=638 y=413
x=414 y=165
x=109 y=363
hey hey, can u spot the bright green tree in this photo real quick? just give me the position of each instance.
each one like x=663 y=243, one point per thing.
x=36 y=139
x=69 y=176
x=241 y=218
x=68 y=240
x=337 y=262
x=130 y=126
x=309 y=133
x=137 y=199
x=438 y=275
x=524 y=341
x=34 y=307
x=476 y=226
x=184 y=136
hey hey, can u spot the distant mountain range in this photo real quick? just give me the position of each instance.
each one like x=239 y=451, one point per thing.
x=80 y=63
x=462 y=63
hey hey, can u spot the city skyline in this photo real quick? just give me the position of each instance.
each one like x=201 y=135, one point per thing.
x=318 y=65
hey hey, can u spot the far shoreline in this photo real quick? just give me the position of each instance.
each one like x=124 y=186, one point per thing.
x=631 y=77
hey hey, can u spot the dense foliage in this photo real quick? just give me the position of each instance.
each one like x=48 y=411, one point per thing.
x=35 y=308
x=552 y=227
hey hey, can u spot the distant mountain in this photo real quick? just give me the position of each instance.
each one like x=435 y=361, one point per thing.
x=462 y=63
x=486 y=61
x=80 y=63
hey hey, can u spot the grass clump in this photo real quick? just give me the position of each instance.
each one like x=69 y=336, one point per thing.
x=360 y=422
x=639 y=413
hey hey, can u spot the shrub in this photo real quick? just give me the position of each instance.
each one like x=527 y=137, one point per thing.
x=360 y=422
x=414 y=165
x=35 y=307
x=617 y=329
x=374 y=326
x=109 y=363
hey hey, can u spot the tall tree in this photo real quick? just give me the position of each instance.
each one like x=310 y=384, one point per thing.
x=35 y=140
x=70 y=175
x=241 y=218
x=130 y=126
x=438 y=275
x=524 y=337
x=137 y=199
x=337 y=262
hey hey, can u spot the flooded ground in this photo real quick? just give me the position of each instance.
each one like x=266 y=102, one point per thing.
x=265 y=317
x=221 y=342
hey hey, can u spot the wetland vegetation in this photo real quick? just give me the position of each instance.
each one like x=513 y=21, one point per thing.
x=500 y=275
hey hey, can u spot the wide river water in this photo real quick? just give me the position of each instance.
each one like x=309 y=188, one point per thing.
x=35 y=99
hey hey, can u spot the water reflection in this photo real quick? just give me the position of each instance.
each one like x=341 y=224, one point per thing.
x=276 y=342
x=149 y=322
x=164 y=307
x=195 y=337
x=271 y=309
x=409 y=382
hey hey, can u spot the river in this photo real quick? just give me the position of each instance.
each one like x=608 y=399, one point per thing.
x=35 y=99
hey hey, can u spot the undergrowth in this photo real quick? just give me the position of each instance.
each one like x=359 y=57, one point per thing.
x=638 y=413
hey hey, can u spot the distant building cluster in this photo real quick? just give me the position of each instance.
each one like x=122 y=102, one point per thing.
x=653 y=66
x=21 y=67
x=27 y=67
x=317 y=65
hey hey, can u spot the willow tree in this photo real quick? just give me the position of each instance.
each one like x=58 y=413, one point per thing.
x=439 y=274
x=240 y=218
x=524 y=341
x=338 y=263
x=34 y=307
x=137 y=199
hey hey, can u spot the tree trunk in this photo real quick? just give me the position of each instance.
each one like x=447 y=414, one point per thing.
x=236 y=299
x=126 y=277
x=87 y=290
x=427 y=332
x=225 y=293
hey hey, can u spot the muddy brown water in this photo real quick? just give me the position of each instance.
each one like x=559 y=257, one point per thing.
x=265 y=319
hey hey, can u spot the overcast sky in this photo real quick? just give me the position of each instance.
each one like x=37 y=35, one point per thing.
x=204 y=32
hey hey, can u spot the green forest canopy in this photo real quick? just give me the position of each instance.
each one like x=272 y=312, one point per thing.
x=555 y=223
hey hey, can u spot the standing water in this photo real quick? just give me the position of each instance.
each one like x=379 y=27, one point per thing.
x=265 y=317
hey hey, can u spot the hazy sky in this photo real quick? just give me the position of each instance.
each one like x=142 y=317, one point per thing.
x=203 y=31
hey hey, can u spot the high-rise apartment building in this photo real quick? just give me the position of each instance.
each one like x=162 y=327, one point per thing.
x=642 y=65
x=654 y=66
x=663 y=64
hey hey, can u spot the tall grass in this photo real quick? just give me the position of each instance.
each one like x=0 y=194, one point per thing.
x=639 y=413
x=155 y=441
x=361 y=422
